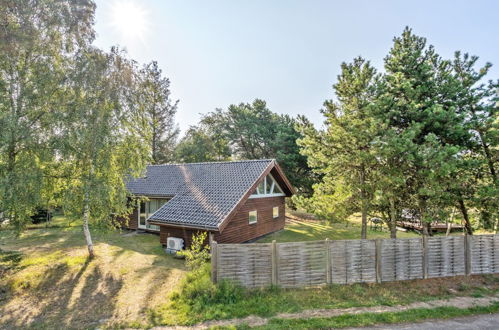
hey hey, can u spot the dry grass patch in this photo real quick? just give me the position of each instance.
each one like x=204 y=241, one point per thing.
x=53 y=285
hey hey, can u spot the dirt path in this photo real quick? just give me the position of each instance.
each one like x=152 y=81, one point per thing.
x=459 y=302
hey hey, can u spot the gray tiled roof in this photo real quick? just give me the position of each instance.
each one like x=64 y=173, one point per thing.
x=203 y=193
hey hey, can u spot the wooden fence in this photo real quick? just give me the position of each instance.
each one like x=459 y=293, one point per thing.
x=305 y=264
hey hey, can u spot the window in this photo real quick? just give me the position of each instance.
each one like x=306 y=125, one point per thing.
x=253 y=217
x=147 y=209
x=268 y=187
x=275 y=212
x=261 y=188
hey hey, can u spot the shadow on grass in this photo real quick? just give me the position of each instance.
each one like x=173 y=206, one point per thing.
x=73 y=294
x=65 y=300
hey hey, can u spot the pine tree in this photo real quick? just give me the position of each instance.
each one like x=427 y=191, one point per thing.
x=155 y=97
x=342 y=153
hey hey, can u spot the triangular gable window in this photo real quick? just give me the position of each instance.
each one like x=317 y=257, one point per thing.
x=268 y=187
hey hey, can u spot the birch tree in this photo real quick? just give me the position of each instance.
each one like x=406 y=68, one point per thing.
x=37 y=42
x=104 y=138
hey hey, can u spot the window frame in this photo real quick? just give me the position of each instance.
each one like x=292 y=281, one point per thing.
x=250 y=215
x=274 y=216
x=147 y=212
x=264 y=183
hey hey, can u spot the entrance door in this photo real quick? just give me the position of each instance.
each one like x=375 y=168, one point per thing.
x=146 y=209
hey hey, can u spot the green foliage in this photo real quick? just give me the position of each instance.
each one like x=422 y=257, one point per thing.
x=198 y=289
x=420 y=137
x=252 y=131
x=198 y=253
x=38 y=40
x=76 y=121
x=342 y=153
x=198 y=298
x=202 y=144
x=154 y=96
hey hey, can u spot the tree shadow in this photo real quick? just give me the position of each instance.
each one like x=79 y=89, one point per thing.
x=87 y=295
x=62 y=300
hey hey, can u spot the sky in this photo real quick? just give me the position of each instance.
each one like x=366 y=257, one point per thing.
x=286 y=52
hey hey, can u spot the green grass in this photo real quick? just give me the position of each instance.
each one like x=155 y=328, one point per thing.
x=198 y=300
x=57 y=221
x=298 y=229
x=371 y=319
x=46 y=280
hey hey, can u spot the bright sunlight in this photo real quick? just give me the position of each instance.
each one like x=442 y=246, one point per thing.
x=129 y=19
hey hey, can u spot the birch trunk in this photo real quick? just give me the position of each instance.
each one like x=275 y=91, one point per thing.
x=86 y=215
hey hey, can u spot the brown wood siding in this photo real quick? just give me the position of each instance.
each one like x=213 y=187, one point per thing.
x=184 y=233
x=239 y=230
x=132 y=220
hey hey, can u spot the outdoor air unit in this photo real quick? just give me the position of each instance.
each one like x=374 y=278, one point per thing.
x=174 y=244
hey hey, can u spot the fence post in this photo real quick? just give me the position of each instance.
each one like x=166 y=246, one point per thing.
x=328 y=261
x=214 y=261
x=425 y=256
x=275 y=264
x=467 y=254
x=379 y=275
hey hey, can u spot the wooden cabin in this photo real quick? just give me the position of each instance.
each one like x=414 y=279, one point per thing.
x=234 y=202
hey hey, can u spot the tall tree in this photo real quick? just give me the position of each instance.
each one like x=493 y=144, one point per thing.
x=477 y=103
x=253 y=131
x=37 y=42
x=105 y=137
x=202 y=144
x=156 y=98
x=343 y=150
x=414 y=102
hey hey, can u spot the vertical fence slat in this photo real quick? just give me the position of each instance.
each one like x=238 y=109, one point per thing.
x=274 y=263
x=467 y=254
x=328 y=261
x=425 y=256
x=214 y=262
x=379 y=277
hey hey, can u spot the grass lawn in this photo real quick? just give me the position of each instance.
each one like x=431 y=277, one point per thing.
x=371 y=319
x=199 y=300
x=303 y=227
x=47 y=282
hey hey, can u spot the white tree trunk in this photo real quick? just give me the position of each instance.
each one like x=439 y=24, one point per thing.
x=86 y=218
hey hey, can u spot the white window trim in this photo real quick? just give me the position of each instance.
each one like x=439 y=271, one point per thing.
x=273 y=216
x=249 y=217
x=266 y=196
x=258 y=194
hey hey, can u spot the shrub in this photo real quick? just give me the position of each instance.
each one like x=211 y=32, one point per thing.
x=197 y=288
x=198 y=254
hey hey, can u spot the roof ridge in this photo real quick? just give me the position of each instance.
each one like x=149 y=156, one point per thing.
x=217 y=162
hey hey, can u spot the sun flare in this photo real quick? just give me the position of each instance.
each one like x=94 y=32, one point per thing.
x=129 y=19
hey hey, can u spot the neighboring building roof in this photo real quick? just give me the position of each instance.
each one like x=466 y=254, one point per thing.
x=203 y=194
